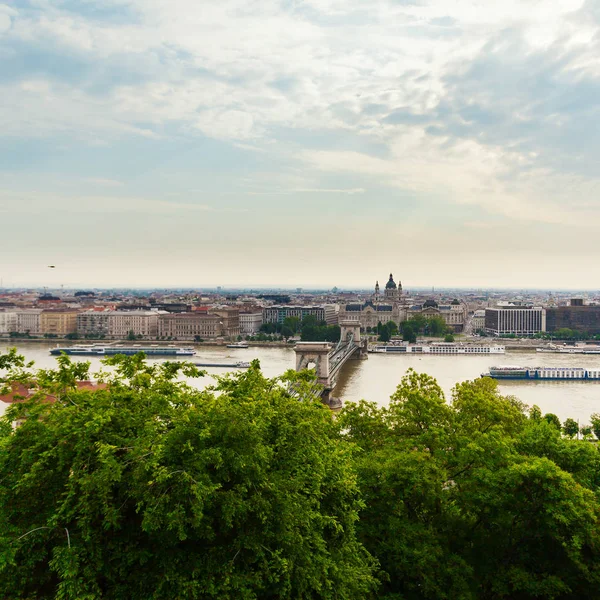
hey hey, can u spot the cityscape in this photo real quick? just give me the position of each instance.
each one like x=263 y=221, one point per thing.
x=224 y=315
x=299 y=300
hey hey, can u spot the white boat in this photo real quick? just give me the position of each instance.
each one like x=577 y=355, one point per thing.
x=570 y=349
x=444 y=348
x=544 y=373
x=238 y=345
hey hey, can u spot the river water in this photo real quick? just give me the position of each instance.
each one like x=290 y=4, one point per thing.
x=376 y=379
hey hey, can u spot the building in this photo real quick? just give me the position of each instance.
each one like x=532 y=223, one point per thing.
x=8 y=321
x=515 y=319
x=453 y=314
x=58 y=322
x=122 y=323
x=390 y=306
x=250 y=322
x=189 y=326
x=478 y=320
x=229 y=320
x=28 y=320
x=93 y=323
x=278 y=314
x=577 y=316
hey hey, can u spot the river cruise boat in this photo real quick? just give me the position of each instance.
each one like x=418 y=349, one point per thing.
x=579 y=349
x=238 y=345
x=127 y=350
x=444 y=348
x=544 y=373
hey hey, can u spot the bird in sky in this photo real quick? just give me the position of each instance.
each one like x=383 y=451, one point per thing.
x=51 y=267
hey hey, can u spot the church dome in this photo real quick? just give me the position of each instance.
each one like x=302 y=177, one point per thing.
x=390 y=285
x=455 y=302
x=430 y=303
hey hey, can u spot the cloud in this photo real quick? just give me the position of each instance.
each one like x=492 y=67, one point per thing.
x=485 y=112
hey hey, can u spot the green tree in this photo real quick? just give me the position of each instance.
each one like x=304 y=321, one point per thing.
x=292 y=323
x=553 y=420
x=570 y=427
x=384 y=335
x=408 y=333
x=436 y=326
x=152 y=489
x=131 y=335
x=448 y=337
x=595 y=421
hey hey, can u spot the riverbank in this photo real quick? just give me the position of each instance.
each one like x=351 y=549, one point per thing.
x=184 y=343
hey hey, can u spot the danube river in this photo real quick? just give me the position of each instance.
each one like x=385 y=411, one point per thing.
x=375 y=379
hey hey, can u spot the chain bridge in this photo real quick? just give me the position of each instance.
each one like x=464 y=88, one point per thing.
x=328 y=360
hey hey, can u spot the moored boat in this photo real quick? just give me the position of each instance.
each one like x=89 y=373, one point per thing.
x=127 y=350
x=544 y=373
x=443 y=348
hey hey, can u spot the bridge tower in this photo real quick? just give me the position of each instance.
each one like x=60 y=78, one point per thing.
x=351 y=330
x=317 y=353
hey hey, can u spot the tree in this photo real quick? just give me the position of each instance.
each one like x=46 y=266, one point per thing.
x=553 y=420
x=436 y=326
x=385 y=335
x=292 y=323
x=570 y=427
x=448 y=337
x=408 y=334
x=155 y=490
x=595 y=421
x=131 y=335
x=287 y=332
x=465 y=500
x=586 y=431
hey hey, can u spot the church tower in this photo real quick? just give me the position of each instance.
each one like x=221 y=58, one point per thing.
x=391 y=290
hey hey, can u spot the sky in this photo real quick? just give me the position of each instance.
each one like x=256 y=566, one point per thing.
x=300 y=142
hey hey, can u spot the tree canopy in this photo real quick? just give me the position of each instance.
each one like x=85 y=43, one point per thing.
x=146 y=487
x=152 y=489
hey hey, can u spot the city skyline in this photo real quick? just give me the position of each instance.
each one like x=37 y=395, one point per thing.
x=299 y=143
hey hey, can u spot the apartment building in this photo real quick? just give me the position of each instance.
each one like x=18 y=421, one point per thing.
x=188 y=326
x=28 y=320
x=8 y=321
x=58 y=322
x=140 y=322
x=93 y=322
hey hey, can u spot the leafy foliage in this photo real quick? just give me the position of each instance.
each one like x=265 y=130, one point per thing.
x=152 y=489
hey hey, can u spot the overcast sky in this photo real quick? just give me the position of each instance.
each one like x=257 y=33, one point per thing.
x=298 y=142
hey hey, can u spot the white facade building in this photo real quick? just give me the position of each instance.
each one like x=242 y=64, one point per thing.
x=478 y=320
x=28 y=320
x=8 y=322
x=250 y=322
x=517 y=320
x=141 y=322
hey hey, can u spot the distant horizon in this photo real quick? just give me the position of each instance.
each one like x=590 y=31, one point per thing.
x=303 y=288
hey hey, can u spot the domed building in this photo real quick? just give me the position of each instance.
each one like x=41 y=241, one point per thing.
x=454 y=314
x=389 y=307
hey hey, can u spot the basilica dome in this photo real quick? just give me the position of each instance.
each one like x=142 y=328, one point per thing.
x=390 y=285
